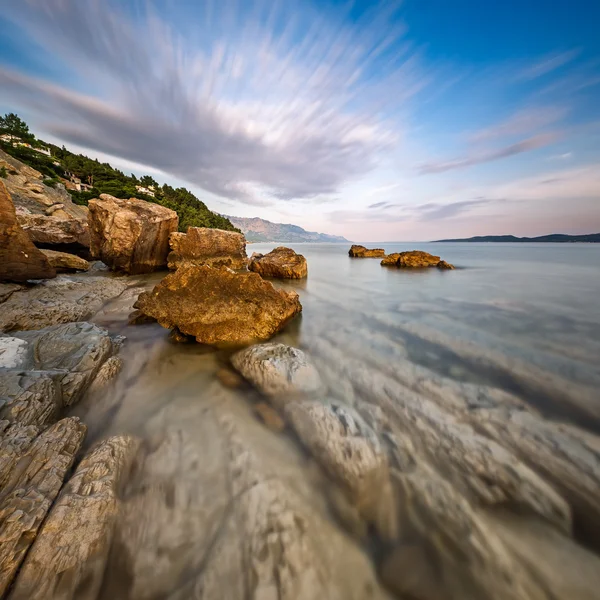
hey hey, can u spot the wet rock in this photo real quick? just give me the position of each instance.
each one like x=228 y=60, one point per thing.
x=177 y=337
x=219 y=307
x=278 y=371
x=357 y=251
x=68 y=557
x=415 y=259
x=280 y=263
x=68 y=298
x=106 y=374
x=230 y=379
x=31 y=474
x=20 y=260
x=137 y=317
x=269 y=416
x=64 y=262
x=211 y=247
x=130 y=235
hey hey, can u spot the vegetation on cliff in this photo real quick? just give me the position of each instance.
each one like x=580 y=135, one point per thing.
x=102 y=178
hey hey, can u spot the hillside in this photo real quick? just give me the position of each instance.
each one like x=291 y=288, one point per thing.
x=87 y=178
x=553 y=237
x=261 y=230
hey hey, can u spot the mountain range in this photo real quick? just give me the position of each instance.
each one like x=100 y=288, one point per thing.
x=261 y=230
x=553 y=237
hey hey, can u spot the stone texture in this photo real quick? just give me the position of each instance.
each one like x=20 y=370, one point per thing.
x=278 y=371
x=217 y=306
x=280 y=263
x=415 y=259
x=68 y=558
x=269 y=416
x=65 y=262
x=130 y=235
x=31 y=473
x=20 y=260
x=55 y=230
x=68 y=298
x=357 y=251
x=211 y=247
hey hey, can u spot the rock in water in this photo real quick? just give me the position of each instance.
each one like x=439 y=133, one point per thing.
x=130 y=235
x=415 y=259
x=357 y=251
x=63 y=261
x=20 y=260
x=68 y=557
x=32 y=470
x=281 y=263
x=212 y=247
x=219 y=307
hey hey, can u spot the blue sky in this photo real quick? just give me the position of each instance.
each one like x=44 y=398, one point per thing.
x=379 y=121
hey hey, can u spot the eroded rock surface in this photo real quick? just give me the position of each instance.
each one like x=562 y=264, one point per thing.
x=130 y=235
x=280 y=263
x=68 y=557
x=217 y=306
x=20 y=260
x=415 y=259
x=65 y=262
x=357 y=251
x=211 y=247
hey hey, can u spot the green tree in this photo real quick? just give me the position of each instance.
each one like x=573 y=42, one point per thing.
x=13 y=124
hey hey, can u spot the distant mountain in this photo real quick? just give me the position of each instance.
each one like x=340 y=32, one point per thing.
x=553 y=237
x=260 y=230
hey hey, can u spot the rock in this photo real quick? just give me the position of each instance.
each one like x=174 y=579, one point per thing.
x=56 y=231
x=278 y=371
x=63 y=262
x=218 y=307
x=357 y=251
x=230 y=379
x=177 y=337
x=52 y=209
x=269 y=416
x=212 y=247
x=31 y=474
x=281 y=263
x=68 y=557
x=53 y=368
x=106 y=374
x=415 y=259
x=130 y=235
x=20 y=260
x=13 y=352
x=68 y=298
x=137 y=317
x=8 y=289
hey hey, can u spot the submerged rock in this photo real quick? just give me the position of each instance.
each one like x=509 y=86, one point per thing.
x=68 y=558
x=357 y=251
x=280 y=263
x=20 y=260
x=63 y=261
x=130 y=235
x=217 y=306
x=211 y=247
x=415 y=259
x=278 y=371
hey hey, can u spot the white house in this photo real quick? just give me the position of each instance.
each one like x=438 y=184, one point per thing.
x=143 y=190
x=7 y=137
x=45 y=151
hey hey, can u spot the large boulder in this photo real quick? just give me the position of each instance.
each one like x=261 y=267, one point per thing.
x=57 y=230
x=130 y=235
x=357 y=251
x=281 y=263
x=65 y=262
x=20 y=260
x=218 y=306
x=212 y=247
x=414 y=259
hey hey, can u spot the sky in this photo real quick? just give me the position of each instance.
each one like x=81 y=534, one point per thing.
x=376 y=120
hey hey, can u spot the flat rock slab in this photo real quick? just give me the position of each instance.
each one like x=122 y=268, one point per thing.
x=64 y=262
x=218 y=306
x=415 y=259
x=212 y=247
x=280 y=263
x=357 y=251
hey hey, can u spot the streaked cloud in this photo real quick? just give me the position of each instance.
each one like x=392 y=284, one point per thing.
x=549 y=63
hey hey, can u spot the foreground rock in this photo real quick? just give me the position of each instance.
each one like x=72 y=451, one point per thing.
x=65 y=262
x=217 y=306
x=32 y=469
x=68 y=557
x=211 y=247
x=130 y=235
x=66 y=299
x=415 y=259
x=280 y=263
x=357 y=251
x=20 y=260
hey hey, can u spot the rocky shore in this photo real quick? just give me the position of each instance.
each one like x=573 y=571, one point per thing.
x=323 y=466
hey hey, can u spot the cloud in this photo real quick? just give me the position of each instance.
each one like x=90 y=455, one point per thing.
x=548 y=64
x=476 y=158
x=435 y=212
x=243 y=108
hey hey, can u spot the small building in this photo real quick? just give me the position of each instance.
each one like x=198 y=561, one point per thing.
x=149 y=191
x=45 y=151
x=8 y=137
